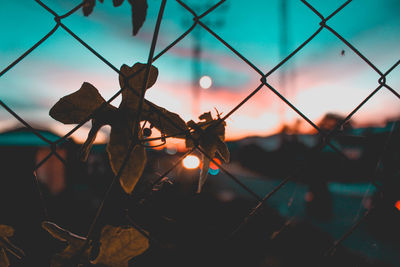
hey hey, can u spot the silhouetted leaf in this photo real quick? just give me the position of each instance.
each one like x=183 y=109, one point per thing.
x=169 y=123
x=4 y=262
x=210 y=134
x=138 y=8
x=210 y=150
x=88 y=6
x=5 y=231
x=130 y=99
x=117 y=148
x=5 y=245
x=139 y=12
x=75 y=244
x=222 y=150
x=118 y=245
x=76 y=107
x=87 y=145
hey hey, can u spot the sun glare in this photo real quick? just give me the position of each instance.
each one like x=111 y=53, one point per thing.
x=397 y=205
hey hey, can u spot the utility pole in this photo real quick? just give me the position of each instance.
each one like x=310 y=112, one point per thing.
x=287 y=74
x=197 y=45
x=283 y=53
x=196 y=71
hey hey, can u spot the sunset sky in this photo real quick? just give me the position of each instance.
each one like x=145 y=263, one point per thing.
x=320 y=77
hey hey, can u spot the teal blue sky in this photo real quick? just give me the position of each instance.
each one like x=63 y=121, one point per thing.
x=320 y=78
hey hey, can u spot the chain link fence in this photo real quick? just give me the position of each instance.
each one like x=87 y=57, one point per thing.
x=325 y=137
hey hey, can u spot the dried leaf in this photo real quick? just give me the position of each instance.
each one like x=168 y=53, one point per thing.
x=88 y=6
x=222 y=150
x=118 y=245
x=117 y=148
x=6 y=231
x=75 y=244
x=210 y=134
x=6 y=245
x=138 y=7
x=4 y=262
x=139 y=12
x=77 y=106
x=130 y=99
x=169 y=123
x=87 y=145
x=74 y=108
x=210 y=150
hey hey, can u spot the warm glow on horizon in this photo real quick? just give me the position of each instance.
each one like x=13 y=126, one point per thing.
x=259 y=117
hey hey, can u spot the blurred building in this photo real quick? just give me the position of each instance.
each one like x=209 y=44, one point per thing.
x=21 y=150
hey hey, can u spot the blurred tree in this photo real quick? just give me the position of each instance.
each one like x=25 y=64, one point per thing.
x=331 y=120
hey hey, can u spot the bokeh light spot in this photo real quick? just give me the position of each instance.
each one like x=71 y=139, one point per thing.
x=213 y=172
x=213 y=166
x=205 y=82
x=191 y=162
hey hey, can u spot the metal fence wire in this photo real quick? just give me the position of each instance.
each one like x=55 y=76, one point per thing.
x=198 y=21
